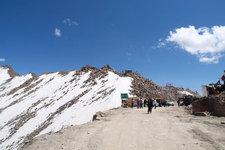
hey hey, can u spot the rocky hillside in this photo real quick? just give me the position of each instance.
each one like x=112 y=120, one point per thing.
x=143 y=87
x=32 y=105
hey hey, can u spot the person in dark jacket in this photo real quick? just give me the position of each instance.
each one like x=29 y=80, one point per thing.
x=145 y=103
x=178 y=103
x=150 y=105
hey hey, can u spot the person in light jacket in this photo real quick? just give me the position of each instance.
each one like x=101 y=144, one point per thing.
x=154 y=103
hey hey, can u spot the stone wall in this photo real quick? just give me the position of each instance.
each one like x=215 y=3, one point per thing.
x=216 y=105
x=200 y=106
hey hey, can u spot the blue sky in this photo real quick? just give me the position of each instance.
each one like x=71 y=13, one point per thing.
x=42 y=36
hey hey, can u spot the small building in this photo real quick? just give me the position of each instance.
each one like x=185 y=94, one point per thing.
x=205 y=91
x=126 y=100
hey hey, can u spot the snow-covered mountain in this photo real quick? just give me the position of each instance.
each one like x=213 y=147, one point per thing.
x=33 y=105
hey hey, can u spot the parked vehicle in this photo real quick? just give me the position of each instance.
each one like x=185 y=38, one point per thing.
x=169 y=103
x=188 y=99
x=163 y=102
x=158 y=101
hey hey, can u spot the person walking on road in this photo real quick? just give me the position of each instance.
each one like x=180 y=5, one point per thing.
x=141 y=103
x=145 y=103
x=132 y=103
x=138 y=103
x=150 y=104
x=178 y=103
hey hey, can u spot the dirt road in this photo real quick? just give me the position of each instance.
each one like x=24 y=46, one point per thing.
x=169 y=128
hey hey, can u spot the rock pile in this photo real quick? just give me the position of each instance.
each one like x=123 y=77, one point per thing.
x=98 y=115
x=143 y=87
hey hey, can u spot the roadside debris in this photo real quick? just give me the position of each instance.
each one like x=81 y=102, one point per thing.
x=201 y=113
x=98 y=115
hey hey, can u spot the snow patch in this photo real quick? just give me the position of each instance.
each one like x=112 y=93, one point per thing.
x=185 y=93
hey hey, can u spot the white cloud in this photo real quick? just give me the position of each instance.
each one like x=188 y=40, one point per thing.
x=208 y=44
x=70 y=22
x=2 y=59
x=161 y=43
x=212 y=59
x=58 y=32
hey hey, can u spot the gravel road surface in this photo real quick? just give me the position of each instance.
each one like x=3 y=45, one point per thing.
x=166 y=128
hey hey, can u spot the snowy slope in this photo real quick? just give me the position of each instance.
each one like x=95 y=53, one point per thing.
x=31 y=106
x=4 y=75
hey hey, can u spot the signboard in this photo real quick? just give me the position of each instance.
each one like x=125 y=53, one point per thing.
x=124 y=96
